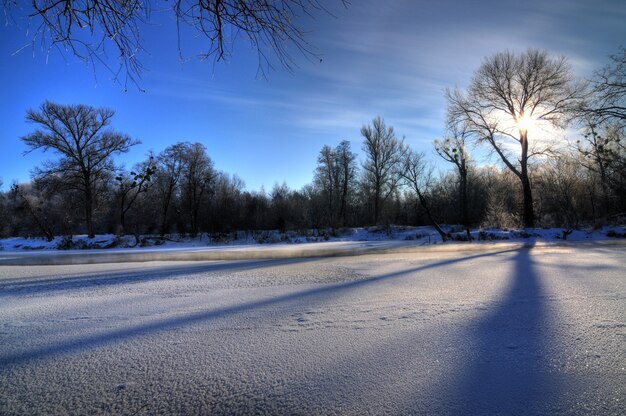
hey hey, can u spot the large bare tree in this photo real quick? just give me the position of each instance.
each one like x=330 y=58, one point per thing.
x=81 y=136
x=507 y=97
x=88 y=29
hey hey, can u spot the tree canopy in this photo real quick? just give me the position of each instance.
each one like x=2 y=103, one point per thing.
x=81 y=136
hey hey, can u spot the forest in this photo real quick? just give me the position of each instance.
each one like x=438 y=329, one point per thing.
x=511 y=165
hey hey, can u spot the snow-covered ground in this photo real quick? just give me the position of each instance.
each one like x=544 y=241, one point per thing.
x=419 y=235
x=502 y=330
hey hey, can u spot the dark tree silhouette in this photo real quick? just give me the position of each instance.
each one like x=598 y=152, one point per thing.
x=335 y=176
x=36 y=213
x=383 y=164
x=198 y=177
x=80 y=135
x=327 y=180
x=268 y=25
x=453 y=149
x=507 y=95
x=131 y=185
x=608 y=102
x=346 y=161
x=603 y=154
x=168 y=176
x=418 y=176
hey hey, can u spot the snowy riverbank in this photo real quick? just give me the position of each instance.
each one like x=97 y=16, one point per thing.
x=421 y=236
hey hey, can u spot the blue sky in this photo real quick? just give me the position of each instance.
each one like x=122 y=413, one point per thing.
x=391 y=58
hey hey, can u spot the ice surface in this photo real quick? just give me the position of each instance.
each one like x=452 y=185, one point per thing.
x=508 y=330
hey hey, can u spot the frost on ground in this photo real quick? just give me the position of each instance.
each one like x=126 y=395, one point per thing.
x=500 y=331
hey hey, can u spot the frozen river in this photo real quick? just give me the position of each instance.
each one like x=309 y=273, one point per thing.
x=505 y=330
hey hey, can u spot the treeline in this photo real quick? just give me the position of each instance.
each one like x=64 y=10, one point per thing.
x=542 y=181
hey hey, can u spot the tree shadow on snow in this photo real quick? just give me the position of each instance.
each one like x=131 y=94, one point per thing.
x=109 y=337
x=509 y=369
x=149 y=273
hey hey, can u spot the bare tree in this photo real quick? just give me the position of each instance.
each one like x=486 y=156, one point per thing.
x=334 y=176
x=198 y=176
x=80 y=135
x=269 y=25
x=508 y=95
x=383 y=166
x=602 y=116
x=561 y=192
x=603 y=154
x=608 y=102
x=226 y=206
x=327 y=180
x=418 y=175
x=131 y=185
x=30 y=203
x=346 y=164
x=453 y=149
x=279 y=197
x=169 y=166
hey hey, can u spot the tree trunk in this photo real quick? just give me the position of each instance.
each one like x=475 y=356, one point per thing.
x=122 y=214
x=463 y=200
x=593 y=206
x=344 y=198
x=529 y=214
x=376 y=205
x=89 y=211
x=41 y=224
x=605 y=189
x=165 y=209
x=331 y=210
x=442 y=234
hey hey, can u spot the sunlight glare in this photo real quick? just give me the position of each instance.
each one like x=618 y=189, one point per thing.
x=525 y=122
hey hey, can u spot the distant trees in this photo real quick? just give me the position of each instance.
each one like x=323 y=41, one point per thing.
x=602 y=149
x=269 y=25
x=31 y=204
x=81 y=136
x=563 y=199
x=4 y=221
x=179 y=190
x=383 y=163
x=602 y=152
x=508 y=94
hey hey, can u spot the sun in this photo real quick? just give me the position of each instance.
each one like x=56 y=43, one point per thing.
x=525 y=122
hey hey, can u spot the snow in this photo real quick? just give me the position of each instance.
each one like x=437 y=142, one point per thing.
x=506 y=329
x=419 y=235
